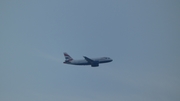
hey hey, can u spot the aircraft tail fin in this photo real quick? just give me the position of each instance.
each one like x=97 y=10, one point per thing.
x=68 y=58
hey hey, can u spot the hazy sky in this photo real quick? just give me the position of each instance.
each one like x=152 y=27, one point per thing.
x=141 y=36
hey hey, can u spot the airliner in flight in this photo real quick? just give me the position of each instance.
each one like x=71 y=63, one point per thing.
x=94 y=62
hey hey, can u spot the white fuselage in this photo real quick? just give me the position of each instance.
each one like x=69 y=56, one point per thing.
x=85 y=62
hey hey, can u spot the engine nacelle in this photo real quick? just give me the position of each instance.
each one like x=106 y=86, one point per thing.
x=95 y=64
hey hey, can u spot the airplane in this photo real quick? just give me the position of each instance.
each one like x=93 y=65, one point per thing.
x=94 y=62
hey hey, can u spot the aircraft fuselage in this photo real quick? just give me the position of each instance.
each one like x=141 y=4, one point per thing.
x=94 y=62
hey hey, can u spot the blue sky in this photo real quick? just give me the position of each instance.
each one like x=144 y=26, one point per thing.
x=142 y=38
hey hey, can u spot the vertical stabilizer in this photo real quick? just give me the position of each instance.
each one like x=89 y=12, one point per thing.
x=67 y=57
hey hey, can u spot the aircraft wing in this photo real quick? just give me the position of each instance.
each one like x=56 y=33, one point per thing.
x=88 y=59
x=92 y=62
